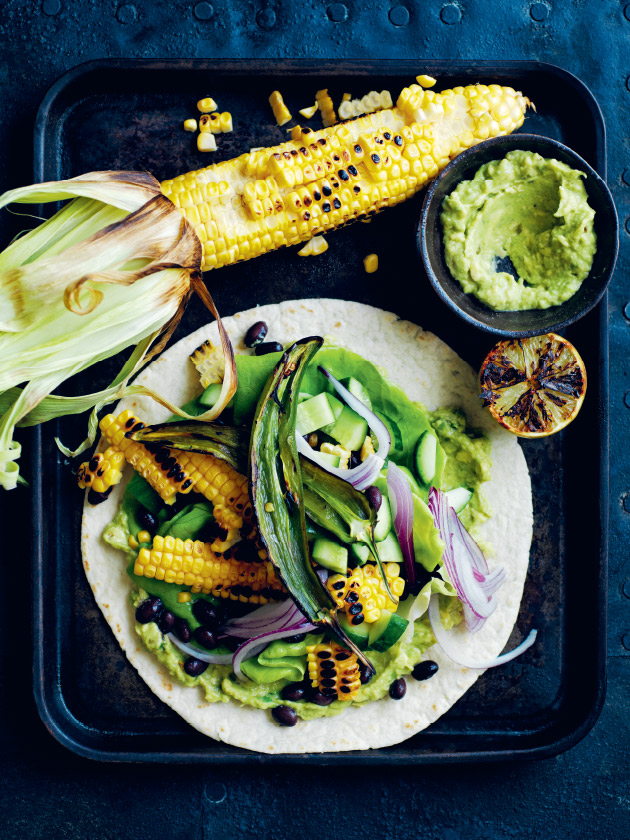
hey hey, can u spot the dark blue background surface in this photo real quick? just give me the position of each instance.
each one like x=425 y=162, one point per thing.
x=47 y=792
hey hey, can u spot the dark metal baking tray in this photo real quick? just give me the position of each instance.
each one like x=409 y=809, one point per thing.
x=128 y=114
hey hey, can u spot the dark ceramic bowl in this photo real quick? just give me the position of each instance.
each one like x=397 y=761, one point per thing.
x=531 y=321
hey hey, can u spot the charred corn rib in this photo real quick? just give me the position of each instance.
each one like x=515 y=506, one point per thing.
x=210 y=363
x=334 y=670
x=368 y=448
x=319 y=180
x=102 y=471
x=195 y=564
x=362 y=595
x=170 y=472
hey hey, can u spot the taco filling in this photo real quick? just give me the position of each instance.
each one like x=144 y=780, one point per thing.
x=302 y=554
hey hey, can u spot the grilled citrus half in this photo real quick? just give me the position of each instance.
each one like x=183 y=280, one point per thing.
x=533 y=386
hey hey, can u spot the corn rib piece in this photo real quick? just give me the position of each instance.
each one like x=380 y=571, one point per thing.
x=362 y=595
x=280 y=110
x=210 y=363
x=319 y=180
x=170 y=471
x=193 y=563
x=325 y=105
x=334 y=670
x=102 y=471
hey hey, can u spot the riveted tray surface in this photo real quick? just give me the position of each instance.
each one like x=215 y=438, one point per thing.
x=127 y=115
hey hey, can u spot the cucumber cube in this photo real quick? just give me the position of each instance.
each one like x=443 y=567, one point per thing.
x=389 y=550
x=313 y=414
x=383 y=521
x=386 y=631
x=360 y=552
x=211 y=394
x=356 y=389
x=459 y=497
x=332 y=460
x=425 y=458
x=331 y=555
x=349 y=429
x=357 y=633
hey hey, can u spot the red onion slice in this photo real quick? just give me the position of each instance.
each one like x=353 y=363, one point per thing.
x=447 y=641
x=254 y=646
x=465 y=564
x=199 y=653
x=267 y=618
x=401 y=502
x=360 y=477
x=366 y=473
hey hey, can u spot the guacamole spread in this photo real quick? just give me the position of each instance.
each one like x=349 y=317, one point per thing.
x=465 y=462
x=520 y=235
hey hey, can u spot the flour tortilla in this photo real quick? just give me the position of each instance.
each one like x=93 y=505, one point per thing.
x=429 y=372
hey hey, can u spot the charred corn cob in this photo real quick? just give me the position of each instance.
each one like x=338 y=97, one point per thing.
x=334 y=670
x=320 y=180
x=194 y=564
x=280 y=110
x=362 y=595
x=102 y=471
x=325 y=104
x=170 y=472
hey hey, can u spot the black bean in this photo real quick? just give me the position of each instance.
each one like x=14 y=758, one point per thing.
x=364 y=675
x=294 y=692
x=256 y=334
x=398 y=689
x=182 y=630
x=95 y=498
x=357 y=619
x=205 y=638
x=147 y=520
x=355 y=459
x=321 y=699
x=166 y=622
x=425 y=670
x=268 y=347
x=284 y=715
x=149 y=610
x=194 y=667
x=205 y=613
x=231 y=643
x=374 y=497
x=299 y=637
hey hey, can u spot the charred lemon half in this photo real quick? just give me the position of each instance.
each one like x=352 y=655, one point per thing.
x=533 y=386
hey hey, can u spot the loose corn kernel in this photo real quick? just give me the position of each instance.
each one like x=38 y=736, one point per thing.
x=144 y=537
x=426 y=81
x=334 y=670
x=183 y=597
x=133 y=542
x=368 y=448
x=206 y=142
x=280 y=110
x=337 y=449
x=269 y=507
x=370 y=263
x=309 y=113
x=316 y=245
x=206 y=105
x=190 y=125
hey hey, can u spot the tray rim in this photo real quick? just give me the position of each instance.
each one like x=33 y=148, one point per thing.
x=55 y=715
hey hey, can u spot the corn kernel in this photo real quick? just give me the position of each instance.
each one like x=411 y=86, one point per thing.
x=183 y=597
x=370 y=263
x=144 y=537
x=190 y=125
x=133 y=542
x=206 y=105
x=206 y=142
x=309 y=113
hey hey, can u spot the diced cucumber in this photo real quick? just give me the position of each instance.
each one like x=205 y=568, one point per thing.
x=360 y=552
x=313 y=414
x=439 y=466
x=386 y=631
x=356 y=389
x=349 y=429
x=335 y=404
x=357 y=633
x=332 y=460
x=425 y=457
x=211 y=394
x=383 y=520
x=331 y=555
x=459 y=497
x=389 y=550
x=303 y=396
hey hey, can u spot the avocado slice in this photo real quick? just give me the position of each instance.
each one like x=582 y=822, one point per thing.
x=386 y=631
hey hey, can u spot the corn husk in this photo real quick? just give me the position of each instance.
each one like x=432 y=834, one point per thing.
x=112 y=269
